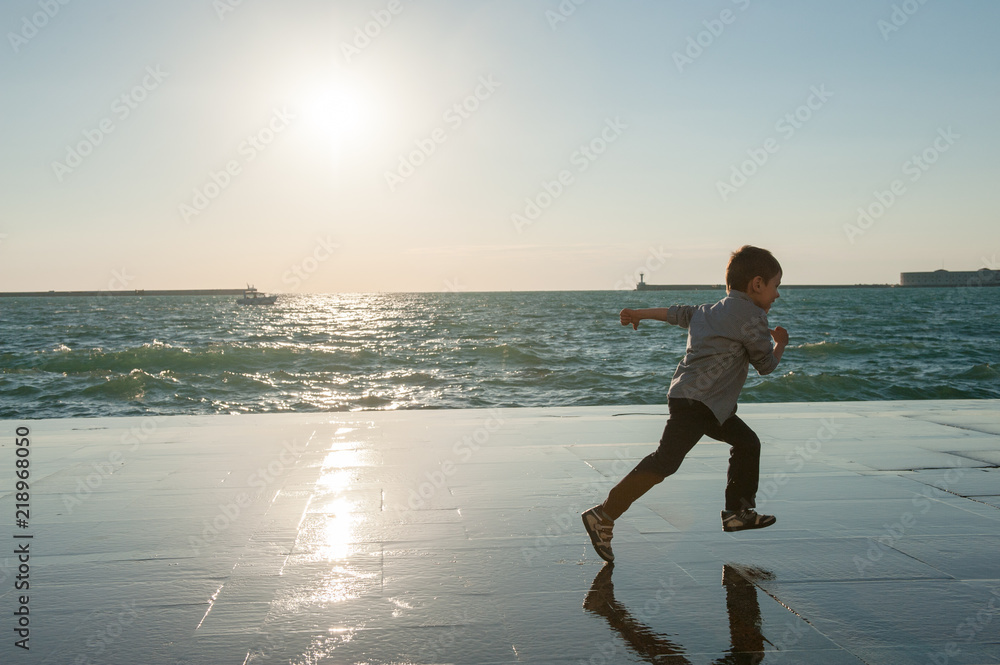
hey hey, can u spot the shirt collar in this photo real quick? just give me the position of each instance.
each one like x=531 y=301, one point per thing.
x=743 y=296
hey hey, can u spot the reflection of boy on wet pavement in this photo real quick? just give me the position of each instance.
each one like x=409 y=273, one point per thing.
x=745 y=637
x=724 y=339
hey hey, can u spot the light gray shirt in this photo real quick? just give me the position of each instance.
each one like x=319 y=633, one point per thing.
x=724 y=339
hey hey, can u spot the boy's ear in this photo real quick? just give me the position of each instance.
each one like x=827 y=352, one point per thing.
x=756 y=284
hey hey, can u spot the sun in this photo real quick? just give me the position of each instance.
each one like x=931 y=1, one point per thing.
x=339 y=113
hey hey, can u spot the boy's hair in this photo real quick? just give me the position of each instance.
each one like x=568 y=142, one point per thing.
x=748 y=262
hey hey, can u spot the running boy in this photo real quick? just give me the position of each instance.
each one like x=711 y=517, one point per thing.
x=724 y=339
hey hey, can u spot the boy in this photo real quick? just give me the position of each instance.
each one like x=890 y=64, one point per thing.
x=724 y=339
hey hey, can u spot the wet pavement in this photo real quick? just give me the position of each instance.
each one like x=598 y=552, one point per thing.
x=454 y=537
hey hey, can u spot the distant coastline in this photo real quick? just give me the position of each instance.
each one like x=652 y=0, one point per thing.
x=134 y=292
x=239 y=292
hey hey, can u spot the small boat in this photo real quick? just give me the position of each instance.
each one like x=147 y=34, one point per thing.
x=253 y=297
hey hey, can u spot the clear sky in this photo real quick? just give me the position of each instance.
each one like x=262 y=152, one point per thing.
x=433 y=145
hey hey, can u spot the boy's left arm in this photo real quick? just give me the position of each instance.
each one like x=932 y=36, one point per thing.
x=678 y=315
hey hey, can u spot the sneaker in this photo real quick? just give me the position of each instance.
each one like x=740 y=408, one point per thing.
x=599 y=528
x=737 y=520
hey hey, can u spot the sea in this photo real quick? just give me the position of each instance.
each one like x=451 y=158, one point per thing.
x=178 y=355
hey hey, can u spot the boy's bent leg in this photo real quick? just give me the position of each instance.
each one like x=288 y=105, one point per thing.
x=743 y=476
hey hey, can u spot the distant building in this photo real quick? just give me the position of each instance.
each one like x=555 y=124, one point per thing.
x=983 y=277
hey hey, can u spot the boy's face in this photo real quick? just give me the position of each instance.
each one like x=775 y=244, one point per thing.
x=762 y=293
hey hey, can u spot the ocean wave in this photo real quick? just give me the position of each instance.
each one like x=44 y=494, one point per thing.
x=131 y=386
x=827 y=347
x=21 y=391
x=985 y=372
x=858 y=347
x=213 y=359
x=503 y=353
x=246 y=381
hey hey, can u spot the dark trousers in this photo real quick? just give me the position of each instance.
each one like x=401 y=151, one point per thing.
x=690 y=420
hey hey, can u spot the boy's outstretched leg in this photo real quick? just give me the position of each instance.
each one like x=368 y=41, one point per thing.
x=600 y=520
x=687 y=423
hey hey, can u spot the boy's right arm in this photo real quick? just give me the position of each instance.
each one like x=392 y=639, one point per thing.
x=678 y=315
x=780 y=337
